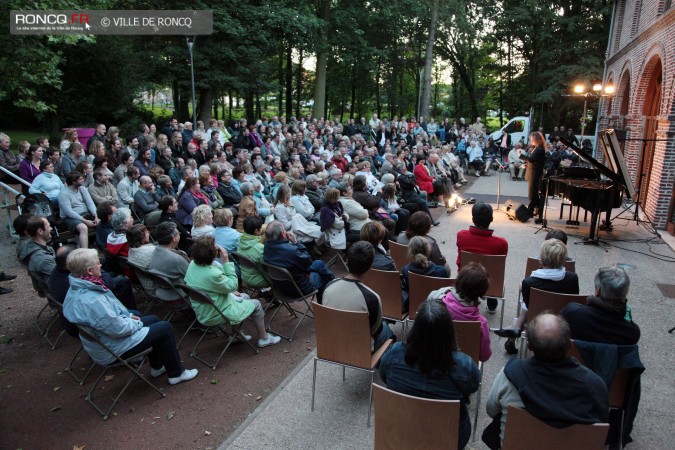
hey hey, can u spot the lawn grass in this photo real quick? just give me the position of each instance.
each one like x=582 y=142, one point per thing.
x=22 y=135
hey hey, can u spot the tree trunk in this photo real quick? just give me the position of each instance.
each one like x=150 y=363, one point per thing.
x=215 y=108
x=229 y=106
x=319 y=109
x=249 y=106
x=289 y=81
x=351 y=110
x=258 y=112
x=298 y=86
x=428 y=58
x=280 y=100
x=205 y=102
x=378 y=105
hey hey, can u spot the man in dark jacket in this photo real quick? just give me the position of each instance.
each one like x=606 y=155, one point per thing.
x=551 y=386
x=282 y=250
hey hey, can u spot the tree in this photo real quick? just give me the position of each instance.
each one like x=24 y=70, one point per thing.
x=428 y=57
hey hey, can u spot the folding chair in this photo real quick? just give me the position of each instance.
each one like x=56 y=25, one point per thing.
x=343 y=338
x=495 y=265
x=399 y=253
x=254 y=292
x=405 y=422
x=279 y=275
x=467 y=335
x=419 y=288
x=387 y=284
x=198 y=296
x=138 y=288
x=52 y=306
x=71 y=370
x=533 y=264
x=339 y=255
x=541 y=301
x=525 y=431
x=133 y=363
x=181 y=305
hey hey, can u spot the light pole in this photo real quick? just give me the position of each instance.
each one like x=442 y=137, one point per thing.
x=190 y=45
x=597 y=92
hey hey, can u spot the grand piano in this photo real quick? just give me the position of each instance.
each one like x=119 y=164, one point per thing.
x=586 y=188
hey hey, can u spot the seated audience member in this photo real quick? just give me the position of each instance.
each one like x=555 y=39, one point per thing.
x=104 y=212
x=375 y=233
x=189 y=198
x=550 y=386
x=169 y=206
x=313 y=193
x=228 y=192
x=357 y=214
x=47 y=183
x=226 y=236
x=606 y=318
x=552 y=277
x=429 y=364
x=247 y=205
x=101 y=190
x=77 y=209
x=140 y=255
x=8 y=159
x=117 y=244
x=419 y=252
x=127 y=188
x=301 y=203
x=516 y=164
x=413 y=199
x=167 y=261
x=90 y=303
x=251 y=247
x=209 y=190
x=479 y=239
x=463 y=300
x=282 y=250
x=350 y=294
x=333 y=221
x=219 y=281
x=559 y=235
x=264 y=207
x=146 y=199
x=20 y=225
x=424 y=180
x=400 y=215
x=123 y=169
x=35 y=253
x=165 y=186
x=59 y=281
x=285 y=212
x=420 y=225
x=202 y=221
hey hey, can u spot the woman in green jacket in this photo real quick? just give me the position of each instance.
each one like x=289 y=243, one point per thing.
x=219 y=281
x=251 y=247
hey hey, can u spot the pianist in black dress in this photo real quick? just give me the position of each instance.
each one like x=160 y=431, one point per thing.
x=535 y=169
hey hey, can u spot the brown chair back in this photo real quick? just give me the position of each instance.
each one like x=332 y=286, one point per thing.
x=399 y=253
x=525 y=431
x=541 y=301
x=387 y=284
x=534 y=264
x=342 y=336
x=419 y=288
x=496 y=269
x=404 y=421
x=467 y=335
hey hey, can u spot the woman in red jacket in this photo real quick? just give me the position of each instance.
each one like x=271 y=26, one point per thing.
x=424 y=180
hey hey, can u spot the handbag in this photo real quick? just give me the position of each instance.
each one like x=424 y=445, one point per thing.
x=380 y=214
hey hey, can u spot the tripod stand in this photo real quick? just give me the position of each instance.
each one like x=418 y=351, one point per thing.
x=544 y=223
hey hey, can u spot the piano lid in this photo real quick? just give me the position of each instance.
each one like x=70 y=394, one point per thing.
x=606 y=171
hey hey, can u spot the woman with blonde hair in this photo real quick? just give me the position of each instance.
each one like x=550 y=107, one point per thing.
x=226 y=236
x=419 y=251
x=202 y=221
x=69 y=136
x=285 y=213
x=301 y=202
x=552 y=277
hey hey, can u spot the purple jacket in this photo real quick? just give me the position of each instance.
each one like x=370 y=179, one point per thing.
x=459 y=311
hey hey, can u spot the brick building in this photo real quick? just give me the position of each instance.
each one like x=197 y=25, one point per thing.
x=641 y=65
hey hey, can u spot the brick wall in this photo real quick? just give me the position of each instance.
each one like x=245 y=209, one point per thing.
x=643 y=34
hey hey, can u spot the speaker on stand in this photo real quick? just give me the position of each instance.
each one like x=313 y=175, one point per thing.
x=516 y=211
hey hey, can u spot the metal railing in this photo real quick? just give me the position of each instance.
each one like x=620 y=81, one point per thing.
x=7 y=202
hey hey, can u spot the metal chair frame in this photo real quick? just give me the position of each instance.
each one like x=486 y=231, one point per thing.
x=174 y=308
x=133 y=363
x=51 y=305
x=200 y=297
x=254 y=292
x=278 y=274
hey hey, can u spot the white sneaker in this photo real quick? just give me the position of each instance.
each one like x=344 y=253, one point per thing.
x=154 y=373
x=271 y=340
x=238 y=338
x=187 y=375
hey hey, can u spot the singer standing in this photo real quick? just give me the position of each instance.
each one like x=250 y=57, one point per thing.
x=535 y=170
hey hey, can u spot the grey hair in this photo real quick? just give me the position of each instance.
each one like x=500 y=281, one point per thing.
x=613 y=283
x=80 y=260
x=274 y=230
x=388 y=178
x=119 y=217
x=246 y=188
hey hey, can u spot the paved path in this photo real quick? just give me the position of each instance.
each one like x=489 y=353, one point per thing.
x=339 y=420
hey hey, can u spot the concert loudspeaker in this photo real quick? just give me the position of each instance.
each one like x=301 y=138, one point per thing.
x=516 y=211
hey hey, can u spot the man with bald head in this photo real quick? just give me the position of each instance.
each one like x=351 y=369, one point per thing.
x=146 y=199
x=551 y=386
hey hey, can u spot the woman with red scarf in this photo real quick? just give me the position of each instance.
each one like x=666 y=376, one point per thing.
x=188 y=199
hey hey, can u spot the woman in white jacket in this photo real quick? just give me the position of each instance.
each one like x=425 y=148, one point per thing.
x=301 y=202
x=358 y=215
x=285 y=213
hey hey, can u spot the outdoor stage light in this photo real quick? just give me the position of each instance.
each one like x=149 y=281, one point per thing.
x=597 y=91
